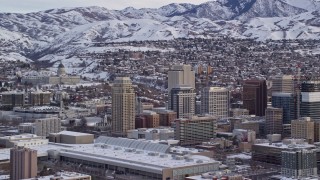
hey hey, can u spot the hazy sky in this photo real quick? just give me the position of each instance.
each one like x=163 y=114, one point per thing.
x=24 y=6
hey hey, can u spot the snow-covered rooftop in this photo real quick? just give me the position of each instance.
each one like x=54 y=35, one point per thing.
x=41 y=150
x=21 y=136
x=287 y=146
x=240 y=156
x=72 y=133
x=38 y=109
x=62 y=175
x=147 y=160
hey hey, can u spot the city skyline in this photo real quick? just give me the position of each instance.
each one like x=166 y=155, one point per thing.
x=160 y=89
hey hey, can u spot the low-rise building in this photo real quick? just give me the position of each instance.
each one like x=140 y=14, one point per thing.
x=249 y=125
x=236 y=112
x=166 y=117
x=152 y=133
x=152 y=119
x=36 y=112
x=138 y=158
x=195 y=130
x=26 y=128
x=70 y=137
x=271 y=152
x=64 y=175
x=23 y=140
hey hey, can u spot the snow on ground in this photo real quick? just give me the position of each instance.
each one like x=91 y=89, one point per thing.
x=7 y=57
x=99 y=76
x=85 y=84
x=128 y=48
x=310 y=5
x=240 y=156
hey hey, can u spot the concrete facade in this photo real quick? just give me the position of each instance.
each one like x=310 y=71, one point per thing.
x=180 y=75
x=23 y=140
x=283 y=83
x=195 y=130
x=299 y=163
x=303 y=129
x=47 y=125
x=70 y=137
x=166 y=117
x=123 y=106
x=215 y=101
x=23 y=163
x=152 y=119
x=182 y=100
x=274 y=120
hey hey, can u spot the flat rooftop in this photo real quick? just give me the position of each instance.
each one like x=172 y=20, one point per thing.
x=22 y=136
x=42 y=150
x=63 y=175
x=72 y=133
x=37 y=109
x=287 y=146
x=146 y=160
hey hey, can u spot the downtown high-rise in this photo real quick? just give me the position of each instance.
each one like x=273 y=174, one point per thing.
x=255 y=97
x=215 y=101
x=123 y=106
x=181 y=90
x=182 y=101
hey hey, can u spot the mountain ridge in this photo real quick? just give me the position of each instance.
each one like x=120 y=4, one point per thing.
x=66 y=30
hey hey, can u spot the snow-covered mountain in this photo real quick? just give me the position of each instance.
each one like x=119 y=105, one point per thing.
x=54 y=33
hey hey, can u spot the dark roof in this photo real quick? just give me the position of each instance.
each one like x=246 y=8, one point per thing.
x=61 y=65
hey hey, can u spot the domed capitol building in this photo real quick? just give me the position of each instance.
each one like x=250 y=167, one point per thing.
x=61 y=78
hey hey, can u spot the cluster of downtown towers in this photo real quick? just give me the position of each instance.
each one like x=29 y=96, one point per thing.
x=215 y=100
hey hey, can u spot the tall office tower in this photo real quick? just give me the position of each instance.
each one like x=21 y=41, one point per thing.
x=181 y=75
x=195 y=130
x=303 y=128
x=310 y=100
x=255 y=96
x=46 y=126
x=123 y=106
x=299 y=164
x=215 y=101
x=182 y=101
x=23 y=163
x=286 y=101
x=283 y=83
x=274 y=120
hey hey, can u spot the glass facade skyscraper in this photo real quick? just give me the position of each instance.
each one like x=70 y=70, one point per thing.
x=287 y=102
